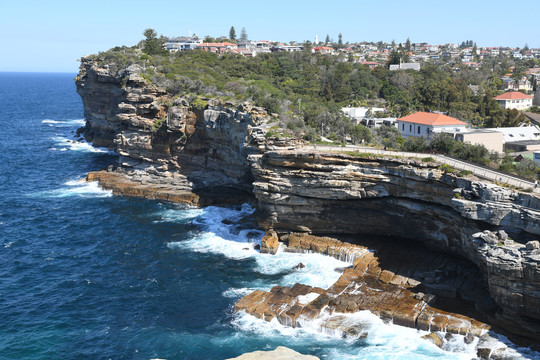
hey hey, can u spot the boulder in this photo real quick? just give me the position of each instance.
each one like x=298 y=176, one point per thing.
x=435 y=339
x=280 y=353
x=270 y=243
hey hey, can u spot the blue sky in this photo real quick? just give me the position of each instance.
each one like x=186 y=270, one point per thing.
x=51 y=35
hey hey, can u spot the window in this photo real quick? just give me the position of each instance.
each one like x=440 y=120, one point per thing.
x=403 y=127
x=410 y=128
x=419 y=129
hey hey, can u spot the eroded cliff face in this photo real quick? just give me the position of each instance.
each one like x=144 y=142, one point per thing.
x=406 y=198
x=172 y=150
x=163 y=140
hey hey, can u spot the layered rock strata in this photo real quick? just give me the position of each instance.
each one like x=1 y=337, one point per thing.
x=406 y=198
x=364 y=286
x=197 y=148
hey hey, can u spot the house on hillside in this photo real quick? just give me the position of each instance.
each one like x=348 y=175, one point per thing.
x=182 y=43
x=323 y=50
x=405 y=66
x=493 y=140
x=423 y=124
x=358 y=113
x=514 y=100
x=218 y=48
x=371 y=64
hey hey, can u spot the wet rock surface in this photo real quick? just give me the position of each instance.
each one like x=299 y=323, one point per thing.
x=364 y=286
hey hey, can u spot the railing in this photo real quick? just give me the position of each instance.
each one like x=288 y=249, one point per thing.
x=480 y=171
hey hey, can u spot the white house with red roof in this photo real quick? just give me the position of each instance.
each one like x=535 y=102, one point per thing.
x=514 y=100
x=423 y=124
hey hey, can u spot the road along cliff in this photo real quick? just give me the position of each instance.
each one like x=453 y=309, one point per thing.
x=210 y=151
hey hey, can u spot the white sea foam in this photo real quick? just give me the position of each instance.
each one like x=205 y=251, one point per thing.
x=219 y=232
x=64 y=144
x=383 y=341
x=234 y=242
x=76 y=188
x=238 y=293
x=177 y=216
x=64 y=123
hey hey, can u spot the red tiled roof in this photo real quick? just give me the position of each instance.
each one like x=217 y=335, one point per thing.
x=425 y=118
x=512 y=95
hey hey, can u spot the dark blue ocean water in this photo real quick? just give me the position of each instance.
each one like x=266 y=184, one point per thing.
x=85 y=275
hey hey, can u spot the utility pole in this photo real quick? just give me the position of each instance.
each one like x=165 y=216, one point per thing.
x=299 y=102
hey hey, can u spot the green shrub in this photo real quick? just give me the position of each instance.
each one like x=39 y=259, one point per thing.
x=446 y=168
x=159 y=123
x=199 y=103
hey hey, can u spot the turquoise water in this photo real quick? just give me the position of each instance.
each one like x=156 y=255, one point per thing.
x=85 y=275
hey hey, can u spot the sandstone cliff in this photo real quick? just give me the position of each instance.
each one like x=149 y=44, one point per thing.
x=346 y=194
x=170 y=149
x=163 y=139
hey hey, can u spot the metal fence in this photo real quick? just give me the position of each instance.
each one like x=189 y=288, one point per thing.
x=482 y=172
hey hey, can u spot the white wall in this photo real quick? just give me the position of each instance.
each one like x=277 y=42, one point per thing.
x=411 y=129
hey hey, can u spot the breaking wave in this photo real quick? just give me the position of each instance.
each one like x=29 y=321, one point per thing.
x=76 y=188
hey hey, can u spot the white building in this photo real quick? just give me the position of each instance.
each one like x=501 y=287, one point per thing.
x=182 y=43
x=405 y=66
x=423 y=124
x=514 y=100
x=358 y=113
x=520 y=133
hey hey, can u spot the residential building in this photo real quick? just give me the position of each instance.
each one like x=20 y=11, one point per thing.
x=424 y=124
x=358 y=113
x=373 y=122
x=519 y=133
x=405 y=66
x=371 y=64
x=218 y=48
x=182 y=43
x=491 y=139
x=514 y=100
x=323 y=50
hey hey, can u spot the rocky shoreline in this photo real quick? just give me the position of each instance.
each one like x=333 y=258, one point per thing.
x=219 y=154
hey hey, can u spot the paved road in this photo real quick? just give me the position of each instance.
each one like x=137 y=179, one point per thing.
x=479 y=171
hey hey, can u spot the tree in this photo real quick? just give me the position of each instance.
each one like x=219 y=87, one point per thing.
x=232 y=33
x=340 y=40
x=360 y=133
x=152 y=44
x=243 y=34
x=327 y=39
x=408 y=45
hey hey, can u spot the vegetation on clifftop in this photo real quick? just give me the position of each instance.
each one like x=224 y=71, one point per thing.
x=308 y=90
